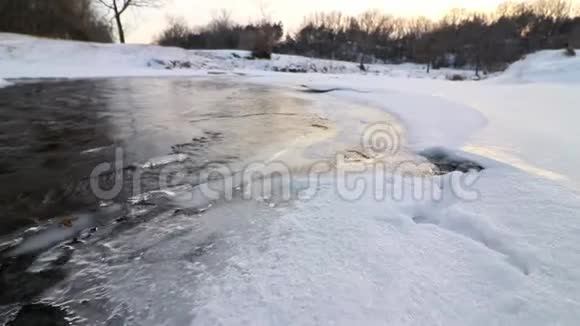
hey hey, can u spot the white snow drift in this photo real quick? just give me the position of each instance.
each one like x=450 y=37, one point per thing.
x=544 y=66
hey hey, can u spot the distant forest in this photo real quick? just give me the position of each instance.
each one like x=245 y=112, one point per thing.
x=481 y=41
x=463 y=39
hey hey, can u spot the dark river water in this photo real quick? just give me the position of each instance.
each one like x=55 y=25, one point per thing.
x=54 y=135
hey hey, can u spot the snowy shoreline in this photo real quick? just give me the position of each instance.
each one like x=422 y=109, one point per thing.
x=24 y=56
x=32 y=57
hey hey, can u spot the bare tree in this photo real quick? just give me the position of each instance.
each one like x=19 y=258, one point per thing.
x=119 y=7
x=555 y=9
x=175 y=34
x=221 y=21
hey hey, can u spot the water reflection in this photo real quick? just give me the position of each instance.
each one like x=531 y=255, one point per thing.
x=53 y=134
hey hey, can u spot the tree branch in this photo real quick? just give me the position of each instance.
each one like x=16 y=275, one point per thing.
x=106 y=4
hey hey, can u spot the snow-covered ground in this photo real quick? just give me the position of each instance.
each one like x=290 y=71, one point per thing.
x=508 y=256
x=544 y=66
x=26 y=56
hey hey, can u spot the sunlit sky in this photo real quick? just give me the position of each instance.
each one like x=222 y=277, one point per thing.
x=145 y=24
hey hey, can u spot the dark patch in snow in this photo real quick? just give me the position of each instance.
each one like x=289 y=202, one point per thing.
x=295 y=70
x=321 y=91
x=171 y=64
x=447 y=162
x=420 y=219
x=313 y=90
x=315 y=125
x=456 y=77
x=356 y=156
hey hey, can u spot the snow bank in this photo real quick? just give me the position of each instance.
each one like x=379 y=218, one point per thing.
x=430 y=120
x=27 y=56
x=544 y=66
x=32 y=57
x=409 y=263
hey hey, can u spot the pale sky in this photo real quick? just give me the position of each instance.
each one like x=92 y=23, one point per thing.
x=145 y=24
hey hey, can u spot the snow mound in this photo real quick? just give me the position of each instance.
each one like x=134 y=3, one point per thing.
x=32 y=57
x=544 y=66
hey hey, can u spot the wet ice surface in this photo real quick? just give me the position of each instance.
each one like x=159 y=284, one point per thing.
x=53 y=134
x=100 y=259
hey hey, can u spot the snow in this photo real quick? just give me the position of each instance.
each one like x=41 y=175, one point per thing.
x=427 y=113
x=534 y=128
x=368 y=263
x=544 y=66
x=504 y=251
x=531 y=126
x=32 y=57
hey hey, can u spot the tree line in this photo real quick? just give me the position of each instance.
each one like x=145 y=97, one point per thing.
x=482 y=41
x=223 y=33
x=462 y=38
